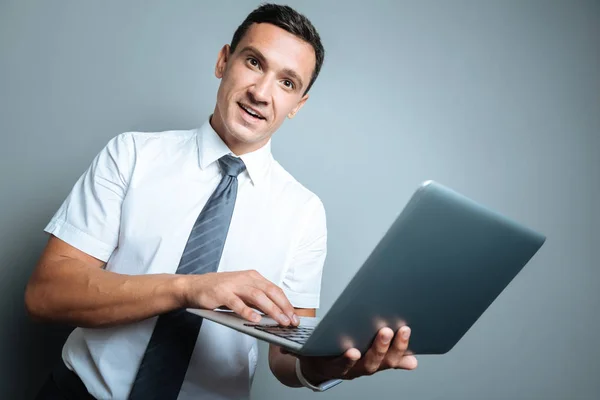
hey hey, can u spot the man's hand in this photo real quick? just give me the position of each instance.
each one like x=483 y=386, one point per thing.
x=239 y=291
x=387 y=352
x=70 y=286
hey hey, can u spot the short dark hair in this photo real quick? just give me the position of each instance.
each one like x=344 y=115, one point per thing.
x=289 y=20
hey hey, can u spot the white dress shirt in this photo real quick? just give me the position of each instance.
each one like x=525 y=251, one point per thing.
x=134 y=208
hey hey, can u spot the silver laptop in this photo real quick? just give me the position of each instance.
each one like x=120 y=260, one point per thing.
x=440 y=265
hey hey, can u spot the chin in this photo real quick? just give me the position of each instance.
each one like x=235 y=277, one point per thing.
x=242 y=133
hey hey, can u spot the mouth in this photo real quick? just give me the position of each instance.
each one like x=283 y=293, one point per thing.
x=251 y=112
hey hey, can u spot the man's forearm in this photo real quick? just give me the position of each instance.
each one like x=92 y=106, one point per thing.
x=71 y=292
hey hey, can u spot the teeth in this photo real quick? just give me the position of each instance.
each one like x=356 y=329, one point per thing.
x=250 y=111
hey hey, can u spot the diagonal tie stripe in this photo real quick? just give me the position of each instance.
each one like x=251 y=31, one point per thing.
x=198 y=244
x=207 y=210
x=204 y=224
x=197 y=251
x=208 y=260
x=208 y=230
x=165 y=361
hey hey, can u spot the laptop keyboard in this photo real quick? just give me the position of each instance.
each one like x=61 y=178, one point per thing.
x=298 y=334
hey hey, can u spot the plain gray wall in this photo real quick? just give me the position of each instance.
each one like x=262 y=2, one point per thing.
x=497 y=99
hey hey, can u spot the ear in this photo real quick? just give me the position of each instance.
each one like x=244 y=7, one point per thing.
x=293 y=113
x=222 y=59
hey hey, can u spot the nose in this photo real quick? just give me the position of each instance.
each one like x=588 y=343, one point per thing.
x=260 y=92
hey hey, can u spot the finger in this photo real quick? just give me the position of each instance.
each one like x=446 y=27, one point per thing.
x=277 y=296
x=401 y=342
x=257 y=297
x=239 y=307
x=398 y=348
x=351 y=357
x=376 y=354
x=408 y=362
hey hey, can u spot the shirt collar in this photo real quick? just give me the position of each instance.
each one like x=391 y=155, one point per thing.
x=211 y=147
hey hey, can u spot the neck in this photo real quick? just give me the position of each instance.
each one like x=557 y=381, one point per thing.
x=237 y=147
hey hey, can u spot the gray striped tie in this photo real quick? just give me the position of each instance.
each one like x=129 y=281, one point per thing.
x=168 y=354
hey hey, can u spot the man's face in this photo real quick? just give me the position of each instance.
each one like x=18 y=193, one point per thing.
x=263 y=81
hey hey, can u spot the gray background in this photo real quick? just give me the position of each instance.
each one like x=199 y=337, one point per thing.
x=499 y=100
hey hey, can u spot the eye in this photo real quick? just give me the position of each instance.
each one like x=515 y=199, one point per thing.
x=288 y=84
x=253 y=62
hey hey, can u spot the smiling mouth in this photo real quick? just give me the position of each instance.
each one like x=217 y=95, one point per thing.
x=253 y=113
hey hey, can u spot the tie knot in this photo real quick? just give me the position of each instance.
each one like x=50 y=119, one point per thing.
x=232 y=166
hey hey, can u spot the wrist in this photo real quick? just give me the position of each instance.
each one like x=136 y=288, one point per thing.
x=318 y=384
x=310 y=375
x=181 y=288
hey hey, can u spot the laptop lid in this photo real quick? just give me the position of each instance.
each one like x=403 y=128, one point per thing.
x=441 y=264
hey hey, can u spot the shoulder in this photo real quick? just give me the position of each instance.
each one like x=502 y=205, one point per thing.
x=133 y=144
x=142 y=139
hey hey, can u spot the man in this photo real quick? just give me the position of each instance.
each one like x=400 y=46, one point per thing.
x=142 y=235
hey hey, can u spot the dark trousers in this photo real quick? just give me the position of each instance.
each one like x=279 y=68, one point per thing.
x=63 y=384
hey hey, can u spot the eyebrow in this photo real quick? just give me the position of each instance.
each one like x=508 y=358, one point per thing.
x=287 y=71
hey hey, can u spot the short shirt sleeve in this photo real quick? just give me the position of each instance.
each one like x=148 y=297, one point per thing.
x=89 y=218
x=302 y=280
